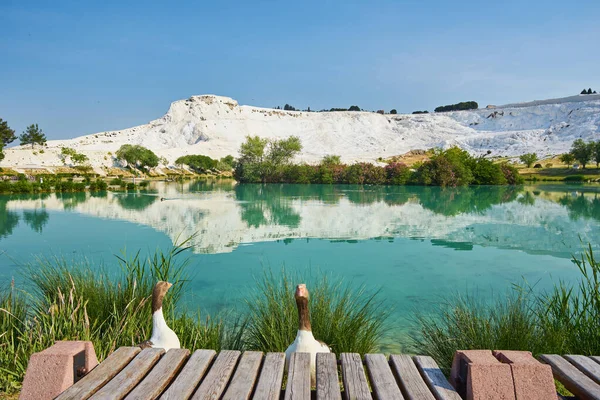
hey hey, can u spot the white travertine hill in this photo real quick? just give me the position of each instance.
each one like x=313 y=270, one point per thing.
x=216 y=126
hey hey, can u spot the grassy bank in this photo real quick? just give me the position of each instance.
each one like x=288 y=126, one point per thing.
x=63 y=300
x=564 y=320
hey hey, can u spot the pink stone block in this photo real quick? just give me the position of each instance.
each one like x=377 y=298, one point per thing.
x=532 y=379
x=478 y=375
x=53 y=370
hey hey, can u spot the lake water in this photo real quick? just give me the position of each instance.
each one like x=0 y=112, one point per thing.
x=418 y=244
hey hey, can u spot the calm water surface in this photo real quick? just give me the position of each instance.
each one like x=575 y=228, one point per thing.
x=417 y=244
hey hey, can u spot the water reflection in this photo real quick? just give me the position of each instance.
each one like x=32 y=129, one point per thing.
x=544 y=219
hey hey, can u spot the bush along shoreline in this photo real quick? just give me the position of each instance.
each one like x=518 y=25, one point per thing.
x=562 y=320
x=269 y=161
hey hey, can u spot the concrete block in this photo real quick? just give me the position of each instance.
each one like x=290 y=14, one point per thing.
x=532 y=379
x=478 y=375
x=56 y=368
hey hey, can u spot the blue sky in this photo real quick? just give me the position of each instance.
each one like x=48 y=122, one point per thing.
x=79 y=67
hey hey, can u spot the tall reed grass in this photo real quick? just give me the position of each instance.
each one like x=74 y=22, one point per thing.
x=347 y=318
x=563 y=320
x=75 y=301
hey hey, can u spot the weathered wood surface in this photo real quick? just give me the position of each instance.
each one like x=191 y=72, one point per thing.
x=382 y=379
x=130 y=376
x=328 y=381
x=298 y=379
x=353 y=376
x=435 y=379
x=100 y=375
x=161 y=375
x=217 y=378
x=133 y=374
x=245 y=376
x=573 y=379
x=586 y=365
x=190 y=375
x=413 y=385
x=271 y=377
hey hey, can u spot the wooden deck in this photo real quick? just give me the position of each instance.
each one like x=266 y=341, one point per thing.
x=132 y=373
x=579 y=374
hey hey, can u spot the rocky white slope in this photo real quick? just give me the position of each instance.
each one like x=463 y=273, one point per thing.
x=216 y=126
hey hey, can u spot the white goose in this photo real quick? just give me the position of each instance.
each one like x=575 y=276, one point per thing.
x=162 y=335
x=305 y=341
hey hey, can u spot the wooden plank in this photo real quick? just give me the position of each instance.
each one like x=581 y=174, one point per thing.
x=382 y=379
x=435 y=379
x=298 y=381
x=245 y=376
x=161 y=375
x=413 y=385
x=328 y=383
x=586 y=365
x=130 y=376
x=217 y=378
x=596 y=358
x=573 y=379
x=189 y=377
x=353 y=375
x=100 y=375
x=271 y=377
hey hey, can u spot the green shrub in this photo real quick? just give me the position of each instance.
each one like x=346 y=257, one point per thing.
x=116 y=182
x=335 y=310
x=575 y=178
x=198 y=163
x=486 y=172
x=131 y=186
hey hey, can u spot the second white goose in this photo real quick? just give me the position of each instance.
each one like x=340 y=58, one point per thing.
x=162 y=335
x=305 y=341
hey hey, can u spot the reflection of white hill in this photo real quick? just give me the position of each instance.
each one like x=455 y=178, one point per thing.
x=219 y=219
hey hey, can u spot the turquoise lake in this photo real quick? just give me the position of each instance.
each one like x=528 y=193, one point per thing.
x=417 y=244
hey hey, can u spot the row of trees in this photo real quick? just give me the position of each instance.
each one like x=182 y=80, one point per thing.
x=583 y=153
x=465 y=105
x=589 y=91
x=202 y=164
x=270 y=161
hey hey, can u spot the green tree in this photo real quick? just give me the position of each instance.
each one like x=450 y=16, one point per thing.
x=354 y=108
x=567 y=158
x=260 y=159
x=197 y=162
x=33 y=135
x=582 y=151
x=596 y=152
x=79 y=158
x=137 y=156
x=528 y=159
x=589 y=91
x=583 y=91
x=7 y=136
x=393 y=111
x=330 y=160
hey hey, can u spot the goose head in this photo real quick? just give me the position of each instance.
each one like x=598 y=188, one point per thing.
x=301 y=297
x=158 y=294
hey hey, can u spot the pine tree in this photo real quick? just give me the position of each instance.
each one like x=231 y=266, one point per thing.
x=393 y=111
x=589 y=91
x=33 y=135
x=583 y=91
x=7 y=136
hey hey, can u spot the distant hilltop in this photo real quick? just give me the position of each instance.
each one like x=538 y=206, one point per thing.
x=216 y=126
